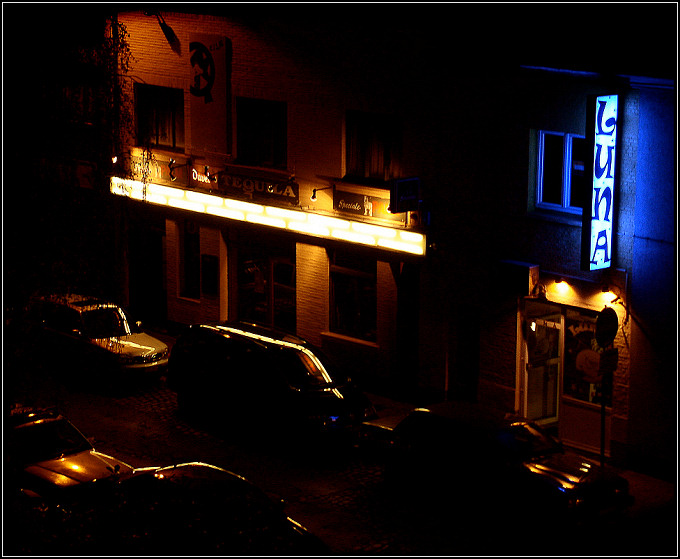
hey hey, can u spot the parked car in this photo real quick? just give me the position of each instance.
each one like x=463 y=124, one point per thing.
x=66 y=498
x=47 y=456
x=494 y=461
x=88 y=334
x=264 y=378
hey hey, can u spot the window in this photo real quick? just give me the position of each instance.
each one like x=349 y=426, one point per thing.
x=373 y=147
x=160 y=117
x=353 y=296
x=561 y=182
x=190 y=263
x=261 y=135
x=582 y=376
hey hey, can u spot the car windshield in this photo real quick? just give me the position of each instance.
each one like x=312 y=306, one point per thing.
x=527 y=441
x=105 y=322
x=303 y=369
x=45 y=440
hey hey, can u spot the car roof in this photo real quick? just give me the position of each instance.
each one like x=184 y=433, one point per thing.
x=470 y=414
x=255 y=333
x=76 y=301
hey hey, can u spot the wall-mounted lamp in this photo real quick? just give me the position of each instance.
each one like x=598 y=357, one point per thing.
x=172 y=167
x=313 y=197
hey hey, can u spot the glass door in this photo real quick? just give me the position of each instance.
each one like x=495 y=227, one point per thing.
x=266 y=289
x=542 y=348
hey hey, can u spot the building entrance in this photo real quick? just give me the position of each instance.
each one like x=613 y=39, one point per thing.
x=542 y=345
x=266 y=286
x=558 y=367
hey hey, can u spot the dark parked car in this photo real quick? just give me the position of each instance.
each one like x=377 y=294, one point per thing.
x=47 y=456
x=87 y=334
x=64 y=498
x=494 y=461
x=264 y=378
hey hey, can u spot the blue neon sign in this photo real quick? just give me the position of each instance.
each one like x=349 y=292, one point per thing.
x=602 y=195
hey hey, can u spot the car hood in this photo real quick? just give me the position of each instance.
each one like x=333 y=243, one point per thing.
x=76 y=469
x=565 y=471
x=134 y=345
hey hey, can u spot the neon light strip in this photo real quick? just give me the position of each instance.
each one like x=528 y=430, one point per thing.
x=270 y=216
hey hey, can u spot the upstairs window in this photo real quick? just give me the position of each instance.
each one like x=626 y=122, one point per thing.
x=561 y=182
x=261 y=133
x=373 y=145
x=160 y=117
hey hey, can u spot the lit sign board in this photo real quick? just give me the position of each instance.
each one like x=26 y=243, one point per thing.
x=305 y=223
x=597 y=223
x=364 y=205
x=405 y=195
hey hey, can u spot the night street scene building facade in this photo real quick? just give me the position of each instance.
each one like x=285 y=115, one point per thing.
x=408 y=203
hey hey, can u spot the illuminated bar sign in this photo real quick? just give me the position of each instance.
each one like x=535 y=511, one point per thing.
x=598 y=217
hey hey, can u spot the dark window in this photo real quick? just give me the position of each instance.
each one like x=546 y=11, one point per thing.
x=373 y=146
x=562 y=178
x=210 y=274
x=160 y=117
x=261 y=133
x=190 y=263
x=353 y=300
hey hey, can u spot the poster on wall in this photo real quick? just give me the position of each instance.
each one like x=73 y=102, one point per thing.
x=209 y=63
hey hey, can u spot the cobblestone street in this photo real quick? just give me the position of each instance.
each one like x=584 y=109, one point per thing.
x=337 y=494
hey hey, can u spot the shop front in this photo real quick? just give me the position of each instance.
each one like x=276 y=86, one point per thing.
x=241 y=245
x=572 y=361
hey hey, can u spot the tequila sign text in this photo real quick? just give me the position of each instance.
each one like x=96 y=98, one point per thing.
x=602 y=196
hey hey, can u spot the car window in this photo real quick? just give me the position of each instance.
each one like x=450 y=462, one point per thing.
x=61 y=318
x=301 y=370
x=105 y=322
x=527 y=441
x=45 y=440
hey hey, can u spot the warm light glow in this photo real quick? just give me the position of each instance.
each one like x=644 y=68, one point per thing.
x=562 y=287
x=353 y=237
x=302 y=222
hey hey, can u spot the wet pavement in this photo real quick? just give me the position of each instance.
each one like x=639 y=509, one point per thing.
x=339 y=494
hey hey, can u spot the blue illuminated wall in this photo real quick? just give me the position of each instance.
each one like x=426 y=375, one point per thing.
x=654 y=269
x=653 y=291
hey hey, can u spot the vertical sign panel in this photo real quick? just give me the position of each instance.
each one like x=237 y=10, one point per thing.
x=598 y=219
x=210 y=93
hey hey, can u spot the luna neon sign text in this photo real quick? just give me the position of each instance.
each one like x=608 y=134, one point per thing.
x=317 y=225
x=604 y=169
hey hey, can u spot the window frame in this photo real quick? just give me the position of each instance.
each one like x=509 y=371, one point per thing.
x=372 y=146
x=259 y=142
x=567 y=166
x=347 y=271
x=159 y=100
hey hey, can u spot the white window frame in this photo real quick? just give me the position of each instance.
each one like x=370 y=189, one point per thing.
x=564 y=207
